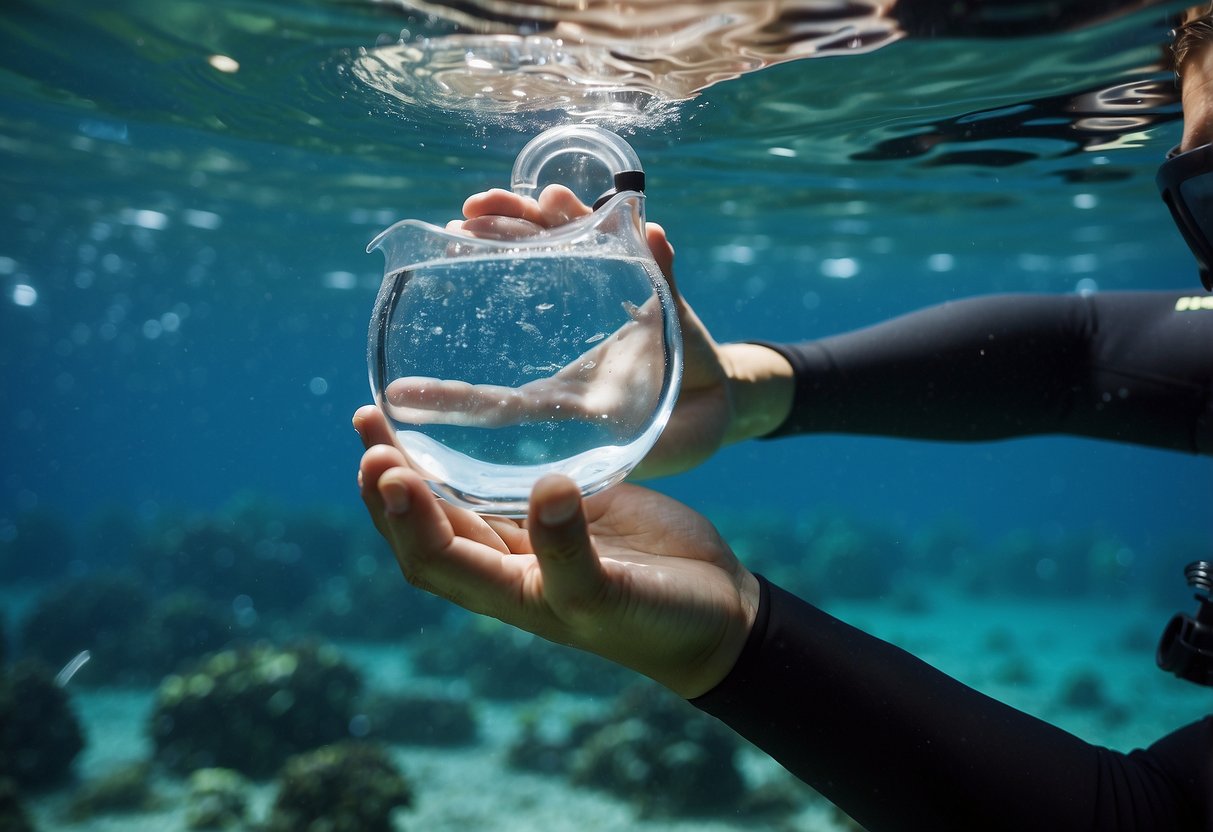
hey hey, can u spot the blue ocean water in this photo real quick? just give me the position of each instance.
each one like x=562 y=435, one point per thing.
x=189 y=188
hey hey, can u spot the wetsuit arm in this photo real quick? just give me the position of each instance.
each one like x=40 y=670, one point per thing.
x=899 y=745
x=1131 y=367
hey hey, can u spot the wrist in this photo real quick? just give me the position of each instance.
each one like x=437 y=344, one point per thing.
x=761 y=387
x=706 y=673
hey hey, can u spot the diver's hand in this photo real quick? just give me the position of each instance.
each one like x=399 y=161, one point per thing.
x=613 y=381
x=729 y=392
x=629 y=574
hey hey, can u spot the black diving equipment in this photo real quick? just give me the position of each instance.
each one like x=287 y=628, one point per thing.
x=1186 y=646
x=1185 y=181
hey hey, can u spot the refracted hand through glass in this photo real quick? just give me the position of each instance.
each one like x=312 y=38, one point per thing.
x=612 y=383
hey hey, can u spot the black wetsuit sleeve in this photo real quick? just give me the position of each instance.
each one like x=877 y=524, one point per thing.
x=899 y=745
x=1126 y=366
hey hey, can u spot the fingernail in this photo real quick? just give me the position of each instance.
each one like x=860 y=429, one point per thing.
x=396 y=500
x=558 y=511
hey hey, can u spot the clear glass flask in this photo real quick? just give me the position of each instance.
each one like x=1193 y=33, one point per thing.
x=499 y=361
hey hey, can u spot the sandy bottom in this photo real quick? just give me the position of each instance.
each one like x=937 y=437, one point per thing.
x=1022 y=653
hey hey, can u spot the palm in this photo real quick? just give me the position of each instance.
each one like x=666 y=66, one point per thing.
x=669 y=593
x=640 y=579
x=652 y=549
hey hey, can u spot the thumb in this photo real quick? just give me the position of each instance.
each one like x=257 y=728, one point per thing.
x=662 y=250
x=572 y=573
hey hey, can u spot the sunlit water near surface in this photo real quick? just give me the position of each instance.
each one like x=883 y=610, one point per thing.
x=189 y=189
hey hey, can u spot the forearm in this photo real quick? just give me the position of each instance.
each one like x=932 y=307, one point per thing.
x=899 y=745
x=1130 y=367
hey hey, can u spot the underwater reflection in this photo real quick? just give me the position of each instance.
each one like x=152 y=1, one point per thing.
x=602 y=60
x=630 y=62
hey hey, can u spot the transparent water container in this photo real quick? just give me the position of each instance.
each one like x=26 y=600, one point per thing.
x=499 y=361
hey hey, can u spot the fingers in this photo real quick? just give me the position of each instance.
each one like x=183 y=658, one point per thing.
x=662 y=251
x=372 y=426
x=440 y=548
x=377 y=459
x=419 y=528
x=430 y=401
x=501 y=203
x=418 y=400
x=438 y=395
x=498 y=228
x=411 y=520
x=558 y=205
x=573 y=578
x=555 y=206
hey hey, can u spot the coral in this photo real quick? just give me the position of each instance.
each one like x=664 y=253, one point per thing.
x=999 y=640
x=39 y=733
x=1138 y=637
x=1084 y=691
x=501 y=662
x=652 y=749
x=250 y=708
x=12 y=813
x=374 y=603
x=420 y=719
x=778 y=797
x=909 y=598
x=1015 y=670
x=127 y=789
x=130 y=639
x=541 y=749
x=348 y=787
x=1025 y=563
x=1109 y=563
x=766 y=541
x=935 y=548
x=818 y=555
x=217 y=799
x=224 y=559
x=1116 y=715
x=844 y=558
x=181 y=627
x=105 y=614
